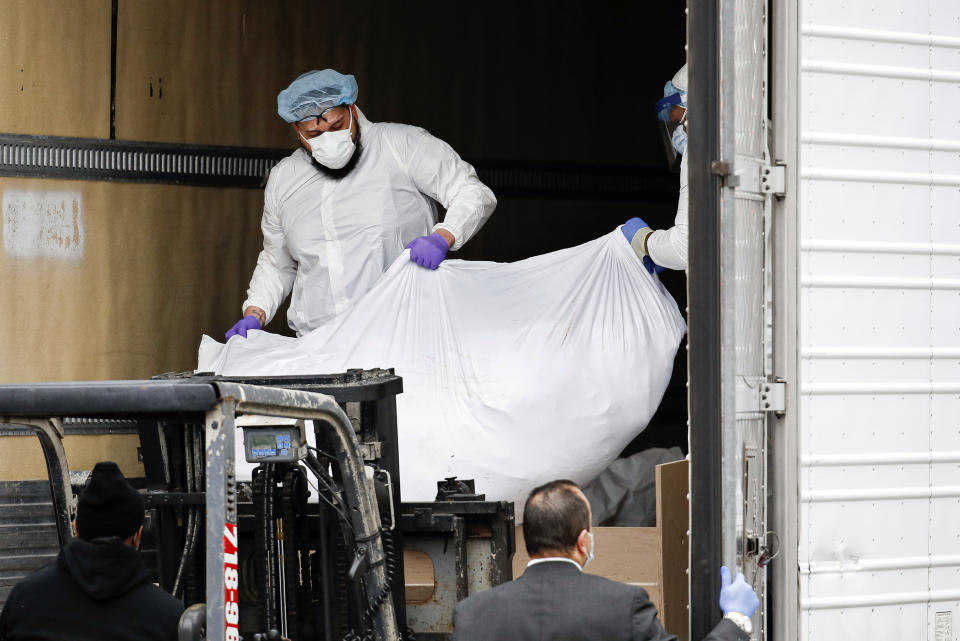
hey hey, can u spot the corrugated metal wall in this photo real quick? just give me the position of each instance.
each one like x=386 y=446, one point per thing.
x=28 y=532
x=879 y=320
x=120 y=280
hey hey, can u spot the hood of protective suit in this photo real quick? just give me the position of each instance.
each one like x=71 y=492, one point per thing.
x=680 y=79
x=104 y=569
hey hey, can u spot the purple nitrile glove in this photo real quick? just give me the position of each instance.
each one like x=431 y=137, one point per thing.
x=429 y=251
x=630 y=229
x=651 y=266
x=736 y=596
x=242 y=326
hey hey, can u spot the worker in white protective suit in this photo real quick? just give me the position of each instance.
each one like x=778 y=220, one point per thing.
x=341 y=208
x=667 y=248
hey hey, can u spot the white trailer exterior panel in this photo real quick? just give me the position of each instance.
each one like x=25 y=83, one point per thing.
x=879 y=320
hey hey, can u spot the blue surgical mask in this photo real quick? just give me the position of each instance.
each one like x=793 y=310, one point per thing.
x=679 y=139
x=593 y=547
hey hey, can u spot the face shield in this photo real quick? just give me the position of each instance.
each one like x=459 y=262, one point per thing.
x=672 y=132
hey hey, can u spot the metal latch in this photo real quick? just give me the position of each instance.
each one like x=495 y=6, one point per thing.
x=726 y=172
x=756 y=394
x=763 y=551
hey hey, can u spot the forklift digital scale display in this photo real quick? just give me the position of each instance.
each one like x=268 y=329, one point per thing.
x=273 y=444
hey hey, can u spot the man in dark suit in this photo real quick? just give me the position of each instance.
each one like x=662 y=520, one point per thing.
x=555 y=601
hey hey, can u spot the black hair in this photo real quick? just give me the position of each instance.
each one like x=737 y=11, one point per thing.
x=553 y=517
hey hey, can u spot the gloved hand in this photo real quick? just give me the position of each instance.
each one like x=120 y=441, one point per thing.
x=651 y=266
x=242 y=326
x=429 y=251
x=736 y=596
x=630 y=229
x=632 y=226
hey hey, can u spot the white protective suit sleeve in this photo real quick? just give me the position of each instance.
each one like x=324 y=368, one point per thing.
x=276 y=269
x=439 y=172
x=668 y=247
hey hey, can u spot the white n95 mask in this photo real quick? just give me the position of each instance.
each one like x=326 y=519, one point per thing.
x=333 y=149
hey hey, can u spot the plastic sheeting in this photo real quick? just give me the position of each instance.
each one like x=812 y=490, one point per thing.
x=514 y=373
x=625 y=494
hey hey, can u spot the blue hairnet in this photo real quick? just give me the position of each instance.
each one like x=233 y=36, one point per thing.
x=314 y=92
x=672 y=96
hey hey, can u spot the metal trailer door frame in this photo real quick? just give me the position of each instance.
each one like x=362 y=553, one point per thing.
x=732 y=389
x=221 y=561
x=784 y=455
x=703 y=317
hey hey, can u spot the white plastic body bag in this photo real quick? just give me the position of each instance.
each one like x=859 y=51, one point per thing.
x=514 y=374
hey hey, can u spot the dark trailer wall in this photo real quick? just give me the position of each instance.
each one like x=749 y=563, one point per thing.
x=552 y=101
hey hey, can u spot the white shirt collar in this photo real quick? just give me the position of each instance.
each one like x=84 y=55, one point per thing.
x=554 y=558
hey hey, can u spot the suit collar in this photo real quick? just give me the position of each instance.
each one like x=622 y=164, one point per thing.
x=553 y=566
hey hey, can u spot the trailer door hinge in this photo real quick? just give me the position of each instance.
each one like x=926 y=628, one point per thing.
x=773 y=179
x=773 y=396
x=754 y=176
x=756 y=394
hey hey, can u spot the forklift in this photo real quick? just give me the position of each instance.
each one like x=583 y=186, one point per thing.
x=312 y=546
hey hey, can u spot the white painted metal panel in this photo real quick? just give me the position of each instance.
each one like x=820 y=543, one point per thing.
x=879 y=320
x=746 y=347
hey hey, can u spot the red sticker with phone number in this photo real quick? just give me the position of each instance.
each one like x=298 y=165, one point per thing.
x=231 y=580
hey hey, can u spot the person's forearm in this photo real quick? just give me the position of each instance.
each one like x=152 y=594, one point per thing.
x=441 y=174
x=668 y=247
x=447 y=236
x=256 y=312
x=270 y=284
x=467 y=213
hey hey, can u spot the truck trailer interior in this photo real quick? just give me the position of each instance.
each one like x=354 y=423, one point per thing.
x=552 y=102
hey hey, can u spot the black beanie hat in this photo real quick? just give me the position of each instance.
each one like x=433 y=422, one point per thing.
x=108 y=506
